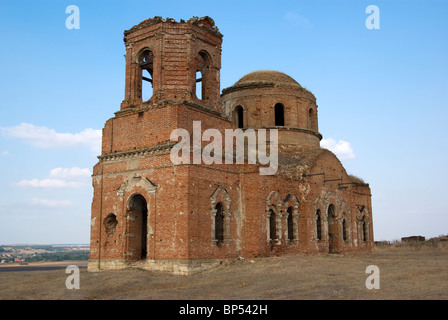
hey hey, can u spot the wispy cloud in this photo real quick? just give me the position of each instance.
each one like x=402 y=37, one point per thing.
x=5 y=153
x=50 y=203
x=59 y=178
x=341 y=148
x=74 y=172
x=43 y=137
x=297 y=20
x=50 y=183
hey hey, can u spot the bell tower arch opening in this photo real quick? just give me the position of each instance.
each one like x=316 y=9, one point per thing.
x=203 y=62
x=199 y=85
x=146 y=67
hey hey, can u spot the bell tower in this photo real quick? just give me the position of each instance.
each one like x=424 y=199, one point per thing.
x=176 y=61
x=145 y=208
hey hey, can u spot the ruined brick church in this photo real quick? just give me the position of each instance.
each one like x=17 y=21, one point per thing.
x=150 y=213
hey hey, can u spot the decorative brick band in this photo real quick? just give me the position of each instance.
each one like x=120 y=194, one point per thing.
x=157 y=149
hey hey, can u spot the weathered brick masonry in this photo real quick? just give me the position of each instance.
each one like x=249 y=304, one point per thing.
x=150 y=213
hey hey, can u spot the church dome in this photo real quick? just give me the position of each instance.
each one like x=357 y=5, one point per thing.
x=267 y=98
x=267 y=77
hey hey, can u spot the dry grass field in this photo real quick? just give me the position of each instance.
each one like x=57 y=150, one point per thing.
x=406 y=272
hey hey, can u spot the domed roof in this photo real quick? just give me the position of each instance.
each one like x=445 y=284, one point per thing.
x=267 y=76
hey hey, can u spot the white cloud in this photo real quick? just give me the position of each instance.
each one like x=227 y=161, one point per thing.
x=50 y=183
x=44 y=137
x=341 y=149
x=5 y=153
x=50 y=203
x=74 y=172
x=60 y=178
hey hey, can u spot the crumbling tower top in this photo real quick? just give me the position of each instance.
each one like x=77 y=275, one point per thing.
x=178 y=61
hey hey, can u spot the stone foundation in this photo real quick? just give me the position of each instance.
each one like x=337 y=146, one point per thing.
x=178 y=267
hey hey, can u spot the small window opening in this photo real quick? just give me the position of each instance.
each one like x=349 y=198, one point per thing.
x=331 y=211
x=310 y=118
x=272 y=225
x=364 y=229
x=111 y=223
x=318 y=225
x=219 y=223
x=344 y=230
x=279 y=115
x=290 y=224
x=239 y=116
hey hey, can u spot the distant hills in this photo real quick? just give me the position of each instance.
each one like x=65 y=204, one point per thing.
x=32 y=253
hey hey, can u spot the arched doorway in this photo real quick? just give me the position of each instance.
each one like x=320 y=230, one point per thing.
x=137 y=228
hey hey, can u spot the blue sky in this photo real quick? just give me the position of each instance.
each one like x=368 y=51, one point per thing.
x=382 y=97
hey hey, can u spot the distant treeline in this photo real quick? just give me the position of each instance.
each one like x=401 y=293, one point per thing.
x=35 y=247
x=59 y=256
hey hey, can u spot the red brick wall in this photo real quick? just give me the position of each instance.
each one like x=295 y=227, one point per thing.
x=258 y=103
x=180 y=199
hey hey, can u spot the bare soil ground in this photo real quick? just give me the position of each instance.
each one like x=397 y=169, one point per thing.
x=405 y=273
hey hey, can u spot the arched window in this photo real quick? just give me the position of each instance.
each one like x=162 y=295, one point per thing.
x=331 y=211
x=146 y=63
x=219 y=223
x=333 y=231
x=318 y=225
x=344 y=230
x=279 y=114
x=199 y=85
x=272 y=225
x=364 y=229
x=238 y=116
x=220 y=215
x=310 y=119
x=290 y=224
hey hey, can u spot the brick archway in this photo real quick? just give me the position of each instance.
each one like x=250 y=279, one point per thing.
x=137 y=228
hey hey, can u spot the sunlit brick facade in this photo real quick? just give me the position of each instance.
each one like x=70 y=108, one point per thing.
x=150 y=213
